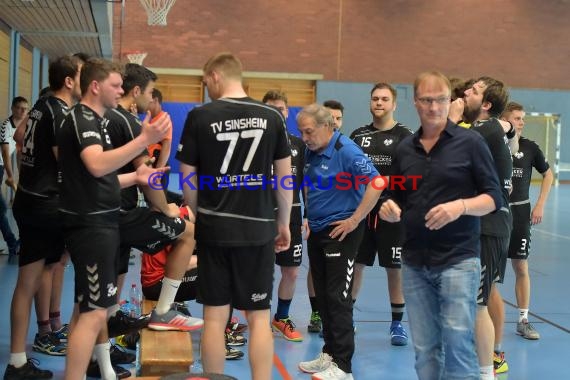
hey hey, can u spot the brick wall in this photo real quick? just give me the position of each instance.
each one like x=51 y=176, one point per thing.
x=523 y=42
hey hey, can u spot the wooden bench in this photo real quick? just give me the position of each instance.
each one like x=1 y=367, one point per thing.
x=164 y=352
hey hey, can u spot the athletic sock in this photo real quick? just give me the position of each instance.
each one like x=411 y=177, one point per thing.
x=167 y=295
x=282 y=308
x=523 y=314
x=55 y=320
x=103 y=354
x=397 y=311
x=486 y=373
x=313 y=301
x=44 y=327
x=18 y=359
x=498 y=348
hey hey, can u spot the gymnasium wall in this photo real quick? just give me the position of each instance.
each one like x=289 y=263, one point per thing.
x=520 y=42
x=4 y=75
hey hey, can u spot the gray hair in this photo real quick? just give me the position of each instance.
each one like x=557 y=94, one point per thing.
x=317 y=112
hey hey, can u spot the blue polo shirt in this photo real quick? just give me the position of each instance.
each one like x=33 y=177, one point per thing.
x=459 y=165
x=334 y=180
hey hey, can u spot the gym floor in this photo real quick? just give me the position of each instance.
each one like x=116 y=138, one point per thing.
x=375 y=358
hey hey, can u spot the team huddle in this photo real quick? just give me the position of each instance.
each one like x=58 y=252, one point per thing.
x=443 y=236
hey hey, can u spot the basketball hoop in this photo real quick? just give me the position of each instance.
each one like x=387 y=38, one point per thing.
x=157 y=10
x=136 y=57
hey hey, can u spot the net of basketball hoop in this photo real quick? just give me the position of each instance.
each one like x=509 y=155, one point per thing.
x=157 y=10
x=136 y=57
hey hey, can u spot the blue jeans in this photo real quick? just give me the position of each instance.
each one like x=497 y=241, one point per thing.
x=441 y=305
x=5 y=228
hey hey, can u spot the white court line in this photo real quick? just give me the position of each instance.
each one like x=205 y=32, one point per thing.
x=551 y=234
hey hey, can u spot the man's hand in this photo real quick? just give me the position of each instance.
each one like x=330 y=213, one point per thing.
x=10 y=182
x=283 y=239
x=145 y=173
x=305 y=230
x=343 y=228
x=444 y=213
x=390 y=211
x=156 y=131
x=456 y=110
x=173 y=211
x=536 y=215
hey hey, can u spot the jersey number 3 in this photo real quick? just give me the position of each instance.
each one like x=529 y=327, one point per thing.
x=233 y=138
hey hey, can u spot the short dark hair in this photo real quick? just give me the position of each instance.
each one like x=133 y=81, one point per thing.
x=334 y=105
x=18 y=99
x=387 y=86
x=137 y=75
x=82 y=56
x=63 y=67
x=496 y=93
x=275 y=95
x=510 y=107
x=97 y=69
x=156 y=94
x=459 y=86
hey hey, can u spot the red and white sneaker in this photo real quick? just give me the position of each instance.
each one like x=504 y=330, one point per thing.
x=174 y=320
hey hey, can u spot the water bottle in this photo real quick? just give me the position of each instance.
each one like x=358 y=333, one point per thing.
x=135 y=298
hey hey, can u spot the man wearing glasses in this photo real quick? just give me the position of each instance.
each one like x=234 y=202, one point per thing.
x=441 y=278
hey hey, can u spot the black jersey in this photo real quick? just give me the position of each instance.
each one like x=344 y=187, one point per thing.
x=528 y=156
x=498 y=223
x=297 y=164
x=38 y=169
x=123 y=127
x=380 y=146
x=83 y=196
x=234 y=142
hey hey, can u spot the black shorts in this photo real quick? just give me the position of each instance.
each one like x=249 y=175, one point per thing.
x=238 y=276
x=293 y=256
x=40 y=227
x=493 y=264
x=519 y=246
x=95 y=265
x=148 y=231
x=186 y=292
x=382 y=238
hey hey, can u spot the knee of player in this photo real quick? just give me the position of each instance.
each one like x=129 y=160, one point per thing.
x=289 y=274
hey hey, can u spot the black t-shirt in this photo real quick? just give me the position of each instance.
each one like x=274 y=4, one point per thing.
x=84 y=197
x=297 y=163
x=380 y=146
x=39 y=169
x=528 y=156
x=123 y=127
x=231 y=141
x=498 y=223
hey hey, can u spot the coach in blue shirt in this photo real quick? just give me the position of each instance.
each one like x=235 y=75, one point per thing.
x=441 y=268
x=342 y=186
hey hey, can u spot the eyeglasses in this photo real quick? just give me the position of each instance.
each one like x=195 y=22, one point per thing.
x=429 y=101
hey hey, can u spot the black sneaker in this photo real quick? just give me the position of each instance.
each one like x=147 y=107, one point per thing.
x=94 y=371
x=234 y=339
x=28 y=371
x=233 y=354
x=121 y=324
x=120 y=356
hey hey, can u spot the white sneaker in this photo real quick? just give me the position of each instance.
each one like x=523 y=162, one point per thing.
x=332 y=373
x=322 y=362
